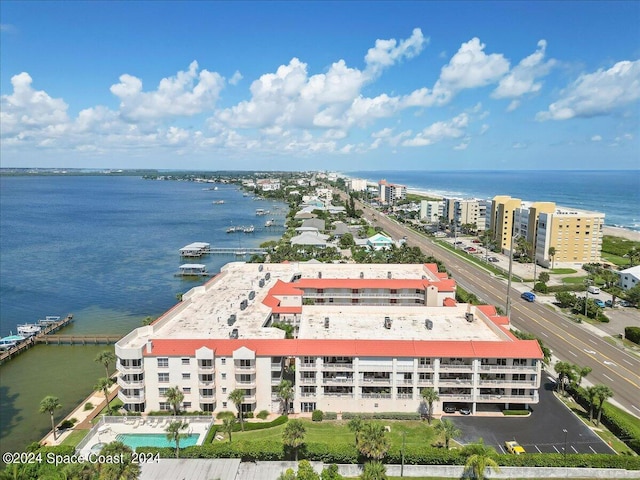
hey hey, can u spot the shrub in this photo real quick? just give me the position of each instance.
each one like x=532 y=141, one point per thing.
x=211 y=434
x=247 y=415
x=248 y=426
x=396 y=416
x=632 y=334
x=516 y=412
x=330 y=416
x=88 y=406
x=262 y=415
x=540 y=287
x=65 y=424
x=317 y=416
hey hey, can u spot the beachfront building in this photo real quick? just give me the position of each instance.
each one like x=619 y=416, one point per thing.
x=357 y=184
x=501 y=223
x=390 y=193
x=268 y=184
x=431 y=210
x=576 y=236
x=367 y=338
x=629 y=277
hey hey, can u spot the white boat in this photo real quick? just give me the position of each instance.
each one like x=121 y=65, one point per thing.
x=6 y=343
x=231 y=230
x=270 y=223
x=249 y=229
x=218 y=202
x=28 y=329
x=192 y=270
x=261 y=211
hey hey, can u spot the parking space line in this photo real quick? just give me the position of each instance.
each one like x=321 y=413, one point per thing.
x=574 y=449
x=592 y=449
x=557 y=451
x=539 y=451
x=542 y=333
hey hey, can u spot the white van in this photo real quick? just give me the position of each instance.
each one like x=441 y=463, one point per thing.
x=593 y=289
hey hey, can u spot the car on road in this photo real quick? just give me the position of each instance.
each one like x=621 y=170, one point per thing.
x=465 y=411
x=449 y=409
x=493 y=259
x=599 y=303
x=513 y=447
x=529 y=296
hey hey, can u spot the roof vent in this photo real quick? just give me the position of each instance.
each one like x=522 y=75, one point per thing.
x=149 y=346
x=326 y=322
x=387 y=322
x=469 y=317
x=260 y=267
x=361 y=274
x=429 y=324
x=319 y=274
x=388 y=274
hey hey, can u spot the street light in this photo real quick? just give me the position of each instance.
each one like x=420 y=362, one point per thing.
x=586 y=296
x=402 y=464
x=565 y=448
x=509 y=278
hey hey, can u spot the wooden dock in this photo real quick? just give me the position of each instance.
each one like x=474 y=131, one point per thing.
x=78 y=339
x=31 y=341
x=248 y=251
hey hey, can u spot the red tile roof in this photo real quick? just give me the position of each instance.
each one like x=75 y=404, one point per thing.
x=351 y=348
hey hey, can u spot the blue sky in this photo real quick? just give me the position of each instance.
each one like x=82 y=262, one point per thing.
x=320 y=85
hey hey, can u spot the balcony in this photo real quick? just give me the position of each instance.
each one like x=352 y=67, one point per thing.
x=509 y=383
x=249 y=399
x=455 y=397
x=131 y=398
x=404 y=368
x=246 y=368
x=404 y=395
x=508 y=398
x=376 y=381
x=307 y=365
x=381 y=367
x=509 y=368
x=404 y=381
x=337 y=366
x=308 y=380
x=308 y=394
x=209 y=370
x=276 y=367
x=207 y=398
x=276 y=380
x=447 y=367
x=129 y=369
x=455 y=382
x=246 y=384
x=335 y=394
x=337 y=380
x=425 y=367
x=376 y=395
x=130 y=383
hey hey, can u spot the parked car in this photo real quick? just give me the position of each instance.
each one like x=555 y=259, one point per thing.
x=465 y=411
x=593 y=289
x=529 y=296
x=449 y=409
x=608 y=303
x=514 y=447
x=493 y=259
x=475 y=240
x=599 y=303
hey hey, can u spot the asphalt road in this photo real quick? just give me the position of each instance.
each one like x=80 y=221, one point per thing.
x=611 y=365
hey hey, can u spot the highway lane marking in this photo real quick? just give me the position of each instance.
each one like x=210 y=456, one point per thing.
x=628 y=362
x=590 y=352
x=544 y=334
x=593 y=341
x=607 y=376
x=573 y=353
x=633 y=406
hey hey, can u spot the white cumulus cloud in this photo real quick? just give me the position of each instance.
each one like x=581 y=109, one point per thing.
x=599 y=93
x=438 y=131
x=387 y=52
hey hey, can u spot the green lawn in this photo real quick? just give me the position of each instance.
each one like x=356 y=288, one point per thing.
x=417 y=433
x=75 y=437
x=574 y=280
x=562 y=271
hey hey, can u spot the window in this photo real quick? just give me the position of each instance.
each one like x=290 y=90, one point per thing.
x=223 y=361
x=223 y=376
x=186 y=405
x=206 y=392
x=163 y=362
x=165 y=406
x=224 y=389
x=186 y=389
x=162 y=391
x=185 y=361
x=163 y=378
x=186 y=376
x=224 y=404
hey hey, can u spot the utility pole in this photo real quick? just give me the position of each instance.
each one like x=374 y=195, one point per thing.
x=402 y=464
x=509 y=279
x=565 y=451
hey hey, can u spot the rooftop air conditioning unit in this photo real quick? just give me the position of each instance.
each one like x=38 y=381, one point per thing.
x=361 y=274
x=388 y=274
x=260 y=267
x=387 y=322
x=469 y=317
x=429 y=324
x=319 y=274
x=326 y=322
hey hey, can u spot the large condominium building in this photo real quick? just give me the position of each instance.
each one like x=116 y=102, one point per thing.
x=576 y=236
x=367 y=338
x=431 y=210
x=391 y=192
x=469 y=211
x=358 y=184
x=502 y=216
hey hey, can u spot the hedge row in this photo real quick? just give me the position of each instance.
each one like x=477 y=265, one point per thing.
x=382 y=416
x=250 y=426
x=632 y=334
x=626 y=429
x=271 y=450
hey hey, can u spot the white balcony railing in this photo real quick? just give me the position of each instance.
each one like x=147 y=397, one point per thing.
x=131 y=398
x=130 y=369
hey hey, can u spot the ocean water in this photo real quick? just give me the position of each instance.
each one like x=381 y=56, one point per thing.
x=614 y=193
x=106 y=250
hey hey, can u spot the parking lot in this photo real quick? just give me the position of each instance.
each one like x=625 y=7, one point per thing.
x=541 y=432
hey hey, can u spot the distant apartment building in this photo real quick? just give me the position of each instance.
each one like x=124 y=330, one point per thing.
x=358 y=185
x=470 y=211
x=367 y=338
x=325 y=195
x=390 y=193
x=576 y=236
x=268 y=184
x=431 y=210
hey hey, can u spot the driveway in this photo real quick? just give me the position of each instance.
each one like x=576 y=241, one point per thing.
x=541 y=432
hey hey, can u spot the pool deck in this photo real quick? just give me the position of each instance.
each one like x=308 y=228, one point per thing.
x=109 y=428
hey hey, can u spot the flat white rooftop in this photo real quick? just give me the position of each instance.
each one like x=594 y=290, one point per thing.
x=205 y=310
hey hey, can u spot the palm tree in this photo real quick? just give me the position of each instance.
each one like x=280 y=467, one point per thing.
x=602 y=393
x=106 y=358
x=480 y=457
x=355 y=425
x=175 y=397
x=173 y=433
x=429 y=395
x=103 y=384
x=126 y=469
x=592 y=393
x=237 y=397
x=581 y=373
x=286 y=394
x=228 y=421
x=633 y=254
x=50 y=404
x=552 y=254
x=449 y=430
x=565 y=374
x=372 y=442
x=374 y=471
x=293 y=435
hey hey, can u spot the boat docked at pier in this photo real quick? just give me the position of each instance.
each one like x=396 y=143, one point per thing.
x=29 y=329
x=7 y=343
x=192 y=270
x=195 y=249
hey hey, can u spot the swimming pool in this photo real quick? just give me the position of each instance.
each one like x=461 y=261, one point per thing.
x=135 y=440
